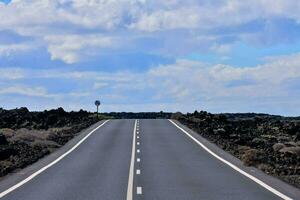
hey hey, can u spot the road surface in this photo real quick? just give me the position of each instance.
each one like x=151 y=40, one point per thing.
x=139 y=159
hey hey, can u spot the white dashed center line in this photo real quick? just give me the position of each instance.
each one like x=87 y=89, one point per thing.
x=138 y=171
x=139 y=190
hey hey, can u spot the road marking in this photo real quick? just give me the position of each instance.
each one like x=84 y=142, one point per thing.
x=138 y=143
x=131 y=169
x=274 y=191
x=139 y=190
x=9 y=190
x=138 y=137
x=138 y=171
x=138 y=151
x=138 y=160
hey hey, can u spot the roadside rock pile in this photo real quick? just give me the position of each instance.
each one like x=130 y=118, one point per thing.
x=270 y=143
x=27 y=136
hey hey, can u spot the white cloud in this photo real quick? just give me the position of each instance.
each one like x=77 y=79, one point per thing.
x=204 y=15
x=26 y=91
x=85 y=26
x=8 y=49
x=99 y=85
x=11 y=73
x=70 y=48
x=183 y=85
x=222 y=49
x=61 y=14
x=194 y=80
x=79 y=94
x=190 y=79
x=41 y=92
x=275 y=71
x=168 y=19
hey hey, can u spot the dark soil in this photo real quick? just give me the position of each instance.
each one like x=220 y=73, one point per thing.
x=25 y=136
x=270 y=143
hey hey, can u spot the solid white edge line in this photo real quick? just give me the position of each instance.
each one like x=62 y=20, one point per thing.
x=2 y=194
x=261 y=183
x=131 y=168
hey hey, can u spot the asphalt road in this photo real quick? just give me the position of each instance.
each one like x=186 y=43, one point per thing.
x=142 y=159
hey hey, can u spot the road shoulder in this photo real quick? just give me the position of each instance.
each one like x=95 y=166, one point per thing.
x=14 y=178
x=275 y=183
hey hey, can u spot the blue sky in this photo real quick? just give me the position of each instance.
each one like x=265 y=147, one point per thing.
x=146 y=55
x=6 y=1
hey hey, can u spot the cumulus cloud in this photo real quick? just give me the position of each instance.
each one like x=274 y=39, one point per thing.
x=275 y=71
x=186 y=78
x=73 y=31
x=187 y=81
x=204 y=15
x=168 y=19
x=70 y=48
x=83 y=26
x=184 y=84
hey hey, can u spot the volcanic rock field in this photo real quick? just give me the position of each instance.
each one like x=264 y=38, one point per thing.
x=270 y=143
x=27 y=136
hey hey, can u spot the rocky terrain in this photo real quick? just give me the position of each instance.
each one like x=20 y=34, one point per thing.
x=270 y=143
x=27 y=136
